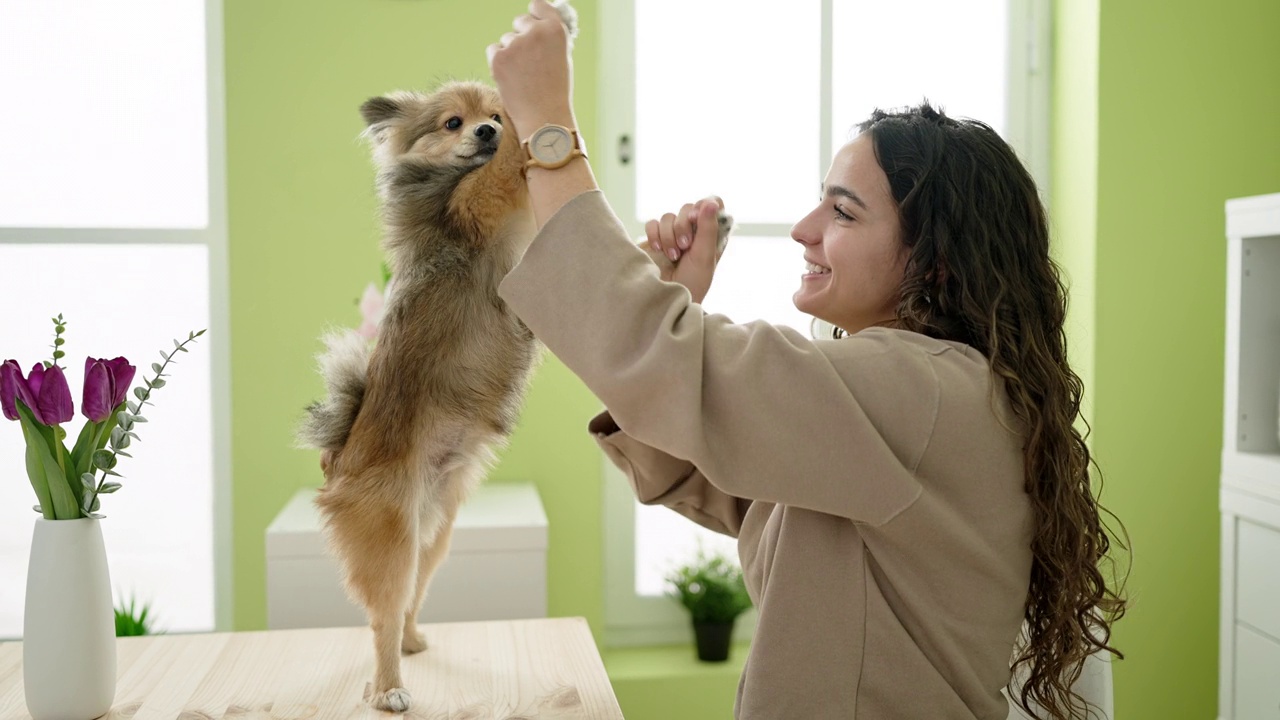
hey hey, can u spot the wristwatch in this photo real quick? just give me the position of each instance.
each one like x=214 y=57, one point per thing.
x=552 y=146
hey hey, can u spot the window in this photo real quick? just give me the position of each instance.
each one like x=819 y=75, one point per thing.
x=112 y=212
x=750 y=104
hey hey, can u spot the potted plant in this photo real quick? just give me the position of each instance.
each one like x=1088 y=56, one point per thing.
x=68 y=634
x=711 y=588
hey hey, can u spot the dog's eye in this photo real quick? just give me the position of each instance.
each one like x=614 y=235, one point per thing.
x=453 y=123
x=497 y=119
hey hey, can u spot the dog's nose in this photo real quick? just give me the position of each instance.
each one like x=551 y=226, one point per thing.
x=486 y=132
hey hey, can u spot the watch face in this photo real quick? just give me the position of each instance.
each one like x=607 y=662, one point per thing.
x=550 y=144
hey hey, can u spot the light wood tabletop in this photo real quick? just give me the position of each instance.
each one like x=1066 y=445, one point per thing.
x=507 y=670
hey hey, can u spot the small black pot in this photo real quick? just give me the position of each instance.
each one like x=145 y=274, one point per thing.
x=713 y=640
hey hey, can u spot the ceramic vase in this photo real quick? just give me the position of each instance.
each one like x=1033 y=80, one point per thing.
x=68 y=633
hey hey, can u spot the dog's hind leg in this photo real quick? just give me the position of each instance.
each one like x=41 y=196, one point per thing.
x=430 y=555
x=385 y=588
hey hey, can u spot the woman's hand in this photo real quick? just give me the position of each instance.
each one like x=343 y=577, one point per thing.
x=684 y=245
x=533 y=72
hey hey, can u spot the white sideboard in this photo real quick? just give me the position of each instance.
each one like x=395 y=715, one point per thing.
x=496 y=568
x=1249 y=639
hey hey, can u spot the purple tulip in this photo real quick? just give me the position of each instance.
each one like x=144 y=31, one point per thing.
x=106 y=384
x=10 y=382
x=53 y=395
x=44 y=392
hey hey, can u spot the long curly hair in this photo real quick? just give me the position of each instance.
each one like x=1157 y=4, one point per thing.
x=979 y=272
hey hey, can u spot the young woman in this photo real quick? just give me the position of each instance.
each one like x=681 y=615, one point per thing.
x=911 y=498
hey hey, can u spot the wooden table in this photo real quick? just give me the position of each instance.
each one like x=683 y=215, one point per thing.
x=509 y=670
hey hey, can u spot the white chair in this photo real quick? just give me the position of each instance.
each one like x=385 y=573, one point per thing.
x=1094 y=685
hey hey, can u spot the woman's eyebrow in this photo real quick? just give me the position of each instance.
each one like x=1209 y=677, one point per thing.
x=828 y=190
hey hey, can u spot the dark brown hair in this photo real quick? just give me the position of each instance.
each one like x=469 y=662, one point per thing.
x=979 y=272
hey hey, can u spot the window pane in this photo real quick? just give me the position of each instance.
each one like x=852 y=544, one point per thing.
x=755 y=281
x=885 y=56
x=666 y=540
x=753 y=139
x=129 y=300
x=105 y=123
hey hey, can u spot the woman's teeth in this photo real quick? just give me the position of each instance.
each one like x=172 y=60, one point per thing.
x=816 y=269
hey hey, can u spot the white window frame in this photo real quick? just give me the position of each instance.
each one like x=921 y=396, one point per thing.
x=633 y=619
x=214 y=237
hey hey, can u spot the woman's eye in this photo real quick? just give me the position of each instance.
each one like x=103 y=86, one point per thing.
x=842 y=215
x=497 y=119
x=453 y=123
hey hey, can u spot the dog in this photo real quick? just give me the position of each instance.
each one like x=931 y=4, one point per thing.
x=410 y=428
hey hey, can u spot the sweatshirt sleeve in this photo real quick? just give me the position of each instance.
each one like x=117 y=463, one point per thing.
x=660 y=479
x=762 y=411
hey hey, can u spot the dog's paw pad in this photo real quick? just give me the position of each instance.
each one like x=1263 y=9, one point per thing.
x=394 y=700
x=568 y=16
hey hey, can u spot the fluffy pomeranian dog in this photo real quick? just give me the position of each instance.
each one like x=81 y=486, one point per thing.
x=409 y=429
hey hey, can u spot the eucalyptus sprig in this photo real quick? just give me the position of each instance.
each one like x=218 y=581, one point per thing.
x=59 y=327
x=122 y=434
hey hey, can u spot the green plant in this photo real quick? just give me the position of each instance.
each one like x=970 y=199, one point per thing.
x=132 y=620
x=711 y=588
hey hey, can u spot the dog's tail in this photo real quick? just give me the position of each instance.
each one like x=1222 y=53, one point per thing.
x=345 y=367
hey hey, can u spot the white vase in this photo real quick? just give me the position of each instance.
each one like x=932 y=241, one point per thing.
x=68 y=632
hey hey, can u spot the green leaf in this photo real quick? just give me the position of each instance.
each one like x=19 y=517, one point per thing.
x=175 y=344
x=95 y=506
x=121 y=453
x=37 y=451
x=79 y=453
x=138 y=419
x=140 y=393
x=109 y=487
x=157 y=383
x=113 y=473
x=89 y=481
x=182 y=349
x=104 y=459
x=155 y=367
x=133 y=406
x=59 y=341
x=166 y=357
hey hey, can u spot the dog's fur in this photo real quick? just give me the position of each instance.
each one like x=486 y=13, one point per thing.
x=410 y=429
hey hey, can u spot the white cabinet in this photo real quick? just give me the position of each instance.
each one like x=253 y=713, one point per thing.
x=1249 y=633
x=496 y=568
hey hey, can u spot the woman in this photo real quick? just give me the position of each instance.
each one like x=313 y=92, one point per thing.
x=907 y=495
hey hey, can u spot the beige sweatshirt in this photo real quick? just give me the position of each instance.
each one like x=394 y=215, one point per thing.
x=873 y=482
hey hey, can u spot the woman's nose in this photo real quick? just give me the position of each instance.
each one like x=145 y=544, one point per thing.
x=804 y=231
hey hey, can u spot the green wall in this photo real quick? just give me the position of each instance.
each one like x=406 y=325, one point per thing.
x=303 y=244
x=1182 y=103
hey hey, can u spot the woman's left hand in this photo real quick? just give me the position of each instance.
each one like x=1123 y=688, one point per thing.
x=533 y=72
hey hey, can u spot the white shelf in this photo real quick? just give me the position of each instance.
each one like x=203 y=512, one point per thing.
x=1249 y=498
x=1257 y=473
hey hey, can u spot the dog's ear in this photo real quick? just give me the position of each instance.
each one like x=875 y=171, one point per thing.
x=379 y=109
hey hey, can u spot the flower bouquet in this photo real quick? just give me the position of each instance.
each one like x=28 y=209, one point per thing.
x=65 y=481
x=68 y=655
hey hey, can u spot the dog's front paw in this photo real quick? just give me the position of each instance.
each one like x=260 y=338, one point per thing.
x=724 y=225
x=393 y=700
x=412 y=642
x=568 y=16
